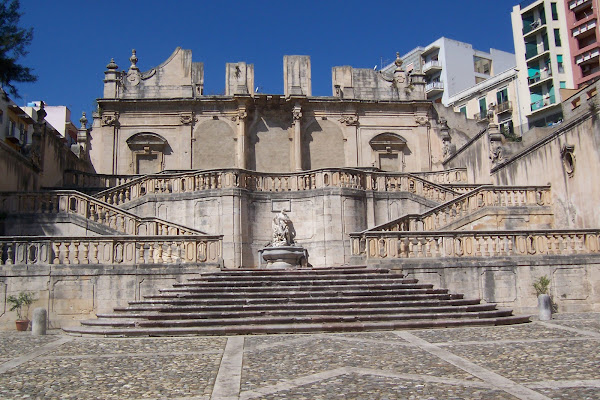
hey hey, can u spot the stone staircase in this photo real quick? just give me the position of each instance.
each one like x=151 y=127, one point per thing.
x=312 y=300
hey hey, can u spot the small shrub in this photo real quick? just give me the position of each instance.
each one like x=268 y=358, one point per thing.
x=542 y=285
x=24 y=299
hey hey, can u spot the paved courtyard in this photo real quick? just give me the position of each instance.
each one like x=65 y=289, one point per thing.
x=558 y=359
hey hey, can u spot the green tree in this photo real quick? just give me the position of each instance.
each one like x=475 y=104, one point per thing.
x=13 y=42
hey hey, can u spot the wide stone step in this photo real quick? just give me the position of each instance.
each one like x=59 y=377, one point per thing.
x=295 y=277
x=290 y=319
x=299 y=292
x=177 y=314
x=297 y=272
x=335 y=298
x=333 y=282
x=165 y=307
x=294 y=328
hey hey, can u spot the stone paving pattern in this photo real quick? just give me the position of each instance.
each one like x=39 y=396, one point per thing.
x=558 y=359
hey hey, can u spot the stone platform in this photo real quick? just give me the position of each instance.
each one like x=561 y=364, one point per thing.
x=234 y=302
x=557 y=359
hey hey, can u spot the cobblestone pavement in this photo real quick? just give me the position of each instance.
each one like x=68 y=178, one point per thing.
x=557 y=359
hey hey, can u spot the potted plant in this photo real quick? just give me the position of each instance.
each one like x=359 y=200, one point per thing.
x=541 y=287
x=24 y=299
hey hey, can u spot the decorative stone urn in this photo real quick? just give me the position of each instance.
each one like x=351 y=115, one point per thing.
x=282 y=252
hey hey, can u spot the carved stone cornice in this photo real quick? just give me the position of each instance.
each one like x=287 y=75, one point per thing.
x=240 y=117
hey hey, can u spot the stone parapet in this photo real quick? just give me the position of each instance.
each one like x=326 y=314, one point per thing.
x=120 y=250
x=378 y=245
x=97 y=211
x=442 y=216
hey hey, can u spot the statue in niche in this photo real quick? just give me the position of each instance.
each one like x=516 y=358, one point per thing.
x=282 y=231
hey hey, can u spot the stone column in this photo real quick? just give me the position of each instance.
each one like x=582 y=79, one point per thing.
x=39 y=322
x=297 y=115
x=241 y=117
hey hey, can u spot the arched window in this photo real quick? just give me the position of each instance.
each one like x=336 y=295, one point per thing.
x=147 y=152
x=389 y=148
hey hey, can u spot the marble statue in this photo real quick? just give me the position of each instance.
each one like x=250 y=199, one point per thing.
x=282 y=235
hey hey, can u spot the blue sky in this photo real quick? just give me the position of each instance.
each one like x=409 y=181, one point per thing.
x=75 y=39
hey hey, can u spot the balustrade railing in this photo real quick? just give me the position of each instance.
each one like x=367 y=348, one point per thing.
x=126 y=250
x=79 y=179
x=445 y=177
x=463 y=244
x=195 y=181
x=484 y=196
x=94 y=210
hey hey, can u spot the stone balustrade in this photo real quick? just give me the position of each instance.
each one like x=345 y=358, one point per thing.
x=73 y=202
x=484 y=196
x=126 y=250
x=463 y=244
x=195 y=181
x=79 y=179
x=445 y=177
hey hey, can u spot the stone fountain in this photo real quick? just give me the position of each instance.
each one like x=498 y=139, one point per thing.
x=282 y=252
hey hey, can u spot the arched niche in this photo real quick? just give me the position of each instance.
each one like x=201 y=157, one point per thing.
x=323 y=146
x=214 y=145
x=390 y=150
x=147 y=152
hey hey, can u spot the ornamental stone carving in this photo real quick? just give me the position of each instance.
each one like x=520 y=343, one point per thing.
x=282 y=234
x=110 y=119
x=422 y=120
x=188 y=118
x=349 y=120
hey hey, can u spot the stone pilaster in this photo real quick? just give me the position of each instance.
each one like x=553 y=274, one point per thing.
x=297 y=117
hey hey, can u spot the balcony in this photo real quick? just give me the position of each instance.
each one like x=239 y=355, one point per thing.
x=433 y=65
x=504 y=107
x=545 y=102
x=583 y=28
x=590 y=55
x=539 y=77
x=535 y=53
x=434 y=87
x=575 y=4
x=530 y=28
x=481 y=116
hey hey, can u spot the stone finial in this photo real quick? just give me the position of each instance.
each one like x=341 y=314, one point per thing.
x=398 y=61
x=133 y=60
x=83 y=120
x=112 y=64
x=41 y=114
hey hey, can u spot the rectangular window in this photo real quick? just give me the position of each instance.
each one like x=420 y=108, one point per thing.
x=482 y=108
x=563 y=84
x=554 y=11
x=463 y=110
x=557 y=37
x=502 y=96
x=507 y=128
x=559 y=60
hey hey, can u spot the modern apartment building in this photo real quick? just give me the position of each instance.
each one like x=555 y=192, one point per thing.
x=582 y=23
x=451 y=66
x=499 y=94
x=540 y=33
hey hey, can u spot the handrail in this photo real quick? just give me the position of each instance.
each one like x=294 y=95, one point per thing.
x=465 y=204
x=92 y=209
x=463 y=244
x=126 y=250
x=195 y=181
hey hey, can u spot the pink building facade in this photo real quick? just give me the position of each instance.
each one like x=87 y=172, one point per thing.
x=583 y=33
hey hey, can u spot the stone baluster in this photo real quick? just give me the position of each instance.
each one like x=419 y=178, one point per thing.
x=169 y=258
x=86 y=251
x=66 y=259
x=9 y=253
x=56 y=259
x=159 y=248
x=141 y=254
x=75 y=252
x=486 y=252
x=1 y=253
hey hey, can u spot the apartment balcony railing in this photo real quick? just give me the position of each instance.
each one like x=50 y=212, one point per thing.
x=532 y=26
x=539 y=49
x=481 y=116
x=432 y=65
x=576 y=3
x=583 y=28
x=536 y=105
x=539 y=76
x=433 y=86
x=504 y=107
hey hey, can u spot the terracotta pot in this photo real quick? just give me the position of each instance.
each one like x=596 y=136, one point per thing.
x=22 y=325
